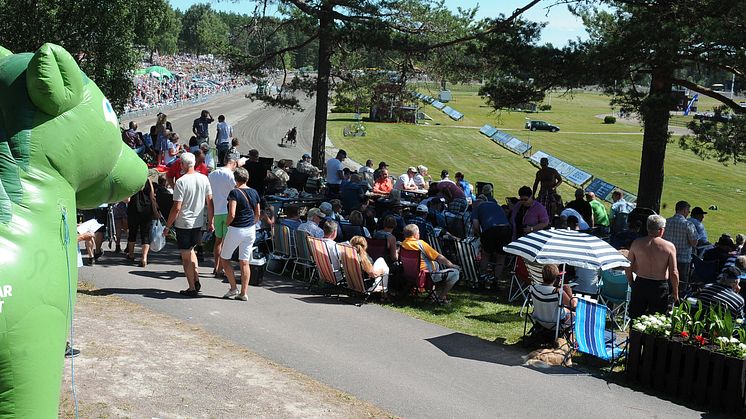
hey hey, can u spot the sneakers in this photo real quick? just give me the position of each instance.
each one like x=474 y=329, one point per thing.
x=242 y=297
x=231 y=293
x=71 y=352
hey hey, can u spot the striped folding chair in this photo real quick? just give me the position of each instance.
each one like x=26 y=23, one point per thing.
x=591 y=336
x=355 y=278
x=467 y=260
x=303 y=256
x=282 y=249
x=434 y=242
x=327 y=262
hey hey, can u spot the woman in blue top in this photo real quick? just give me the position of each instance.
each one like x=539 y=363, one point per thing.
x=243 y=211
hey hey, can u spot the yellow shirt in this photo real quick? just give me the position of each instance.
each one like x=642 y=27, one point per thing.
x=411 y=244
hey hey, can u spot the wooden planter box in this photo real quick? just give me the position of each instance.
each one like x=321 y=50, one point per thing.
x=678 y=369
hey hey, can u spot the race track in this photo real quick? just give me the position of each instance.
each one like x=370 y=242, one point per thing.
x=254 y=124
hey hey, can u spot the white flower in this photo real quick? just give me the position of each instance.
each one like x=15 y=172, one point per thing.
x=639 y=326
x=723 y=339
x=742 y=346
x=739 y=321
x=734 y=340
x=668 y=333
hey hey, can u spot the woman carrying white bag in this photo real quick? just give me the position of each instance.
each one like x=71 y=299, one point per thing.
x=141 y=210
x=243 y=213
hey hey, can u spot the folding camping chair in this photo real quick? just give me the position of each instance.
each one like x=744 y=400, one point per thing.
x=614 y=293
x=519 y=280
x=467 y=260
x=349 y=231
x=377 y=248
x=590 y=334
x=327 y=262
x=281 y=248
x=434 y=242
x=544 y=308
x=303 y=255
x=355 y=279
x=417 y=279
x=533 y=270
x=704 y=271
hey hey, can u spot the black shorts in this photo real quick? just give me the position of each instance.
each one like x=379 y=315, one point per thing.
x=187 y=238
x=648 y=296
x=495 y=238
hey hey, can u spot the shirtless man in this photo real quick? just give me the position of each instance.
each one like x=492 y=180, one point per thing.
x=549 y=179
x=653 y=259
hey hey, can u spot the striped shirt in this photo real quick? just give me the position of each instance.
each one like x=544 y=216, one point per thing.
x=715 y=293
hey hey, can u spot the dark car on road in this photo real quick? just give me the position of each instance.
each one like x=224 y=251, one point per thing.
x=541 y=126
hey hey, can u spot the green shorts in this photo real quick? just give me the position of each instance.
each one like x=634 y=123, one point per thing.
x=220 y=226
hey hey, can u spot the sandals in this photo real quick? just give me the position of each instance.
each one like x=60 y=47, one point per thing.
x=143 y=263
x=197 y=286
x=189 y=293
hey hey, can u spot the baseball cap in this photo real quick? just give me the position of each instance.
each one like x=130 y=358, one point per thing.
x=314 y=212
x=232 y=156
x=382 y=164
x=421 y=208
x=698 y=211
x=306 y=156
x=326 y=208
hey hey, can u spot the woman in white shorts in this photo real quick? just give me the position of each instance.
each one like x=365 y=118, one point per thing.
x=243 y=211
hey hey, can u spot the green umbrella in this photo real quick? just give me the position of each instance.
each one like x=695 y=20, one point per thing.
x=161 y=71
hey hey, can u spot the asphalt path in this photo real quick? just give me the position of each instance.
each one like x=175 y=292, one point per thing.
x=406 y=366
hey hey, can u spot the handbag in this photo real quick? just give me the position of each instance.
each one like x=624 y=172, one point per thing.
x=157 y=241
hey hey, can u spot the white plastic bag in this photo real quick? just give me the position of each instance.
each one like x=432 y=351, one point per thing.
x=157 y=241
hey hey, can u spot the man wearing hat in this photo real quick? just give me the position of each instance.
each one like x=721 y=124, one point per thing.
x=420 y=219
x=405 y=182
x=721 y=252
x=222 y=182
x=304 y=164
x=311 y=226
x=696 y=218
x=493 y=228
x=724 y=292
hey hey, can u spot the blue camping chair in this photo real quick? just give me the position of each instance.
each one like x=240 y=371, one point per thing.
x=591 y=336
x=614 y=292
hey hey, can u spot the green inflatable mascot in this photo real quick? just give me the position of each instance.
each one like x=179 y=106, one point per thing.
x=60 y=148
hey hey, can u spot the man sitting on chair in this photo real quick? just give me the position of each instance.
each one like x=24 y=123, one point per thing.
x=443 y=283
x=725 y=292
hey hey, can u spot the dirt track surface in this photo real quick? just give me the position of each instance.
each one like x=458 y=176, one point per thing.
x=138 y=363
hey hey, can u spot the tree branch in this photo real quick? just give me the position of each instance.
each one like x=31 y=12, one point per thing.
x=702 y=60
x=270 y=56
x=733 y=105
x=494 y=28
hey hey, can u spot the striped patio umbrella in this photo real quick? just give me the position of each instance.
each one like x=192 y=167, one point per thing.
x=567 y=247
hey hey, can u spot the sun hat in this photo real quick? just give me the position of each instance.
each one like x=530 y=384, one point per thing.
x=326 y=208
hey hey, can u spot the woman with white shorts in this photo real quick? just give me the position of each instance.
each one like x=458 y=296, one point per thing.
x=243 y=211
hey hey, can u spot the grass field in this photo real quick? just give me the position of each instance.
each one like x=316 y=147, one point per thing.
x=611 y=152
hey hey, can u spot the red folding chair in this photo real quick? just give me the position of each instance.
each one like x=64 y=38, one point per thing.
x=418 y=280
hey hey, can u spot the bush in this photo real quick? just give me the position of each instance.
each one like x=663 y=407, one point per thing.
x=608 y=119
x=545 y=108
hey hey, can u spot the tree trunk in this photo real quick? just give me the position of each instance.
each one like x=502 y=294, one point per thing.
x=655 y=115
x=318 y=151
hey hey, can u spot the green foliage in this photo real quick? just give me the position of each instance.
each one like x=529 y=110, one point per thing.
x=157 y=26
x=203 y=31
x=545 y=107
x=608 y=119
x=723 y=141
x=100 y=35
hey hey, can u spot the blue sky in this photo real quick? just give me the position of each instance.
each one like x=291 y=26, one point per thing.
x=561 y=24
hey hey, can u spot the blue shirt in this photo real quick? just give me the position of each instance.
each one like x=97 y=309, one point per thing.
x=292 y=224
x=701 y=233
x=245 y=216
x=490 y=214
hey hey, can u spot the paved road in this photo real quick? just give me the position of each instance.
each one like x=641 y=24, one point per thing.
x=408 y=367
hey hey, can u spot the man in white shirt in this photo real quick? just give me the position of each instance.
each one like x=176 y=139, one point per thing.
x=334 y=174
x=223 y=138
x=366 y=172
x=192 y=193
x=405 y=182
x=221 y=183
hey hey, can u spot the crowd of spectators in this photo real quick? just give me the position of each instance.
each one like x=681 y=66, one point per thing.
x=193 y=77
